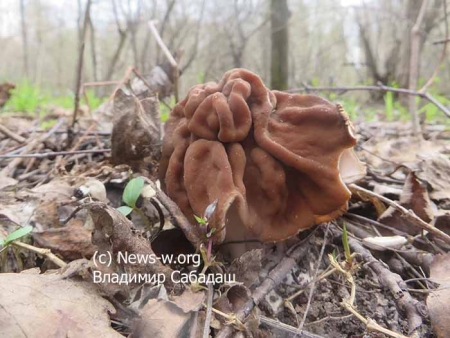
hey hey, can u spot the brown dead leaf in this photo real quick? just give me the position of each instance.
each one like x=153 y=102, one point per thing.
x=33 y=305
x=438 y=301
x=136 y=135
x=114 y=233
x=246 y=268
x=436 y=171
x=414 y=197
x=70 y=242
x=163 y=318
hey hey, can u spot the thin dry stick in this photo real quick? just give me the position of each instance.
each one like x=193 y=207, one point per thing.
x=12 y=135
x=57 y=153
x=80 y=63
x=408 y=214
x=206 y=329
x=323 y=275
x=169 y=56
x=312 y=288
x=272 y=280
x=444 y=51
x=441 y=41
x=287 y=328
x=394 y=283
x=11 y=167
x=43 y=252
x=380 y=87
x=414 y=65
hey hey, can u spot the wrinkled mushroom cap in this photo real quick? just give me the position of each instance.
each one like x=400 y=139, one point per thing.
x=271 y=159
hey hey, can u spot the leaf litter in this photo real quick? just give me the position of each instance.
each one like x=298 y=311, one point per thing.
x=71 y=203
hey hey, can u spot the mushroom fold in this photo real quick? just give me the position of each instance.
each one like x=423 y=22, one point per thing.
x=276 y=162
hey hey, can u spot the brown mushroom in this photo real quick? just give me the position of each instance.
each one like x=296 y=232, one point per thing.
x=274 y=161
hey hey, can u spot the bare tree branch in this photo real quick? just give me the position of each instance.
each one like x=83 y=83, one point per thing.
x=80 y=65
x=414 y=68
x=380 y=87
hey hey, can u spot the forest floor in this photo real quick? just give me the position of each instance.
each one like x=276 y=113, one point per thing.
x=380 y=270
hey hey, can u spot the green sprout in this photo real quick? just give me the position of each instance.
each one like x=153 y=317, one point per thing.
x=15 y=235
x=131 y=194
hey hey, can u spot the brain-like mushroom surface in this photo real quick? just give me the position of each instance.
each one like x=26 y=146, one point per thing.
x=271 y=159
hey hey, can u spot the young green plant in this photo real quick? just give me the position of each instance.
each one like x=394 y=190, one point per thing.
x=130 y=196
x=15 y=235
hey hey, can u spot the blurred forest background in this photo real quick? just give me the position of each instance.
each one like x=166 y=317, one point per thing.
x=318 y=43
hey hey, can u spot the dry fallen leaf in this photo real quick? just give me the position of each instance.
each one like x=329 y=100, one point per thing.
x=436 y=171
x=165 y=319
x=246 y=268
x=70 y=242
x=414 y=197
x=136 y=135
x=33 y=305
x=438 y=301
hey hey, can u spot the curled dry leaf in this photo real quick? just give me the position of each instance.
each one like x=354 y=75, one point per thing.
x=414 y=197
x=438 y=300
x=247 y=267
x=136 y=135
x=33 y=305
x=114 y=233
x=262 y=154
x=160 y=317
x=436 y=171
x=70 y=242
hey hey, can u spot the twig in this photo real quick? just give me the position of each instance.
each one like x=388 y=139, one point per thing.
x=444 y=51
x=80 y=65
x=41 y=251
x=408 y=214
x=272 y=280
x=414 y=65
x=370 y=323
x=12 y=135
x=206 y=329
x=10 y=168
x=390 y=280
x=57 y=153
x=441 y=41
x=380 y=87
x=190 y=232
x=287 y=328
x=169 y=56
x=312 y=288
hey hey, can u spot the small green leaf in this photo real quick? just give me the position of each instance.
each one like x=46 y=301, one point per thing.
x=209 y=234
x=18 y=234
x=126 y=210
x=132 y=191
x=348 y=256
x=200 y=220
x=2 y=242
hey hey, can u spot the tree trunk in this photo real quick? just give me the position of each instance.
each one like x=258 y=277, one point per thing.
x=24 y=37
x=279 y=15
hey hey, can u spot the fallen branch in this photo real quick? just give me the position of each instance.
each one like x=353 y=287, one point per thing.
x=380 y=87
x=173 y=62
x=11 y=167
x=408 y=214
x=12 y=135
x=391 y=281
x=42 y=252
x=274 y=278
x=57 y=153
x=287 y=328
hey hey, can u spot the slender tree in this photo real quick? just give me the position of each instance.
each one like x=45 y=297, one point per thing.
x=279 y=15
